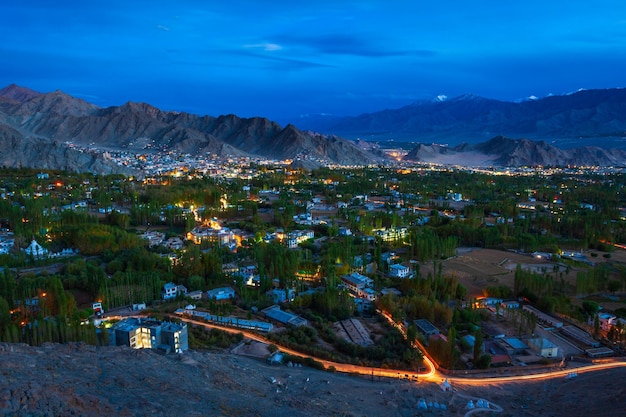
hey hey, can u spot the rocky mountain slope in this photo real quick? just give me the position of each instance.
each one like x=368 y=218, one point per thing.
x=501 y=151
x=573 y=120
x=54 y=119
x=81 y=380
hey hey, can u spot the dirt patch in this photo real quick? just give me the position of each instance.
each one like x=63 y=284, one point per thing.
x=478 y=268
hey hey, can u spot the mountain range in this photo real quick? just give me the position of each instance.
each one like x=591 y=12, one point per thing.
x=57 y=131
x=505 y=152
x=586 y=117
x=45 y=129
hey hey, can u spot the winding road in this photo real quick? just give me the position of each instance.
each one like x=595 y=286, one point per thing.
x=431 y=374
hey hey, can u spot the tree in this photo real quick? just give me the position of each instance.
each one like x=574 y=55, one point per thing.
x=478 y=344
x=484 y=362
x=613 y=286
x=5 y=313
x=451 y=348
x=590 y=307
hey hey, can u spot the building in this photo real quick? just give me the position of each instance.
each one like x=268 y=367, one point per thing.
x=275 y=313
x=36 y=250
x=141 y=333
x=359 y=285
x=392 y=234
x=607 y=321
x=543 y=317
x=213 y=232
x=510 y=304
x=393 y=291
x=543 y=347
x=98 y=310
x=227 y=321
x=579 y=336
x=293 y=239
x=222 y=293
x=345 y=231
x=512 y=345
x=484 y=302
x=399 y=271
x=281 y=296
x=171 y=290
x=195 y=295
x=426 y=328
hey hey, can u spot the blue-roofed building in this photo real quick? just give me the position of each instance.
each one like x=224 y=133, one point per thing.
x=222 y=293
x=275 y=313
x=512 y=345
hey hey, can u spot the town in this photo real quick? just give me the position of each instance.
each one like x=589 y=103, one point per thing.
x=386 y=267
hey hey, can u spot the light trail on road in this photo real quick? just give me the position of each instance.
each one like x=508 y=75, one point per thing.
x=431 y=375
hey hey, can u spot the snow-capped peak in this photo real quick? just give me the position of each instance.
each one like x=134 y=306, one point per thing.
x=441 y=97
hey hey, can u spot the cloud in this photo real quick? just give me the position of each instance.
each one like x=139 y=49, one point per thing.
x=343 y=44
x=264 y=46
x=279 y=62
x=163 y=28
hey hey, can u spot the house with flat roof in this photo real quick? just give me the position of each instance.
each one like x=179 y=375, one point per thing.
x=399 y=271
x=510 y=304
x=512 y=345
x=607 y=321
x=392 y=291
x=148 y=333
x=222 y=293
x=195 y=295
x=426 y=327
x=279 y=295
x=275 y=313
x=359 y=285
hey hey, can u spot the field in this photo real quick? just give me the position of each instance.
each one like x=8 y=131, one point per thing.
x=478 y=268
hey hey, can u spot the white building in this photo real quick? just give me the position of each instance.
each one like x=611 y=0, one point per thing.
x=36 y=250
x=171 y=290
x=607 y=321
x=543 y=347
x=359 y=285
x=222 y=293
x=294 y=238
x=399 y=271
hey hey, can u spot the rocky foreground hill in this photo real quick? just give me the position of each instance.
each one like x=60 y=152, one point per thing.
x=45 y=130
x=80 y=380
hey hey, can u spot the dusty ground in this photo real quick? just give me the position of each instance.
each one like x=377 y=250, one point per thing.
x=593 y=394
x=477 y=268
x=74 y=379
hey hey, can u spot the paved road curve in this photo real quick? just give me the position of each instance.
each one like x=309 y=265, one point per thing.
x=431 y=374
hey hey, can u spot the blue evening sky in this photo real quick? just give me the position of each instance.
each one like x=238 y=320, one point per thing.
x=280 y=59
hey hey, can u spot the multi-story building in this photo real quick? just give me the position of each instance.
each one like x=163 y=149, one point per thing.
x=171 y=290
x=399 y=271
x=141 y=333
x=359 y=286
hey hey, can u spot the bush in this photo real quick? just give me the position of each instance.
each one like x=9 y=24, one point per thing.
x=484 y=362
